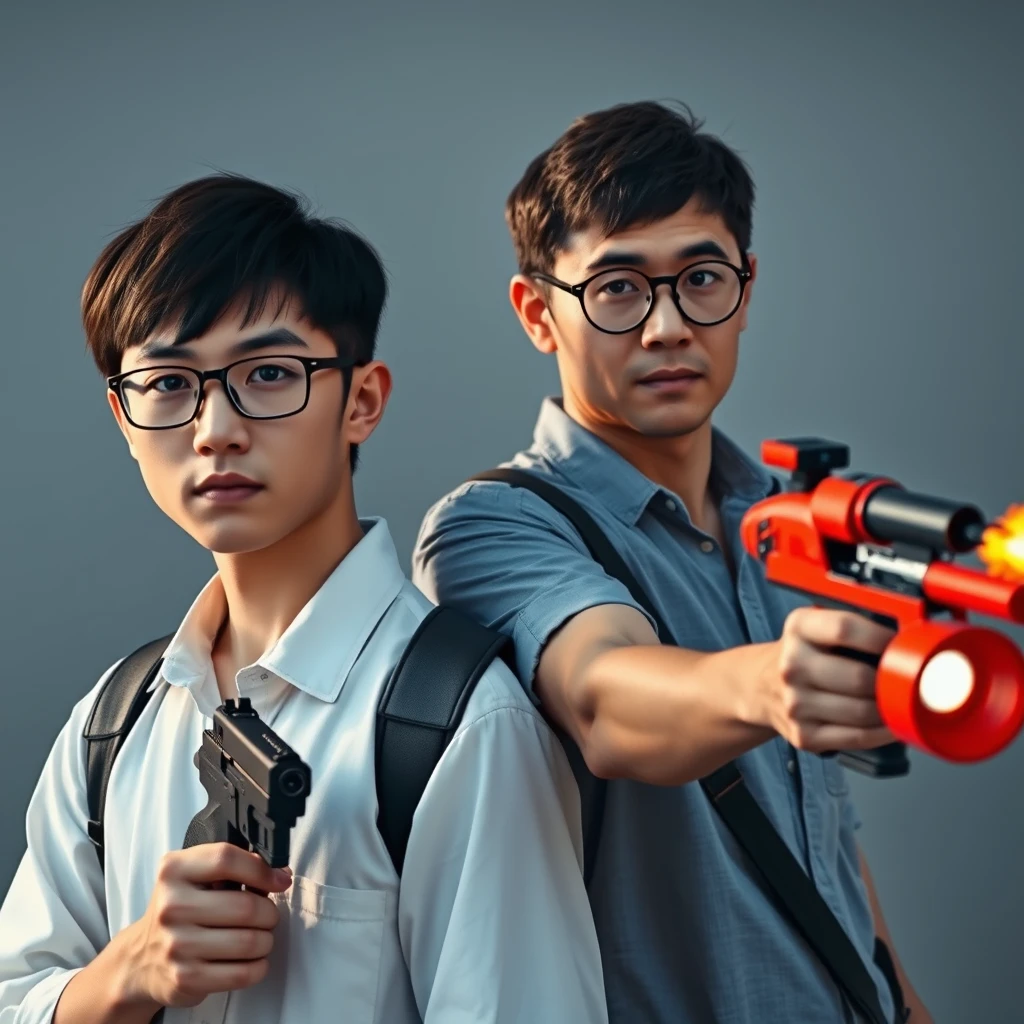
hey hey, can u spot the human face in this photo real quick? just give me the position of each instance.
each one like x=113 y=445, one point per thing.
x=607 y=378
x=286 y=472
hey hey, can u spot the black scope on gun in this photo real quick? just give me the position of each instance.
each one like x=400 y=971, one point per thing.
x=894 y=515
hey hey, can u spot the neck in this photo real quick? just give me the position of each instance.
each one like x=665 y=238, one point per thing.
x=681 y=464
x=265 y=590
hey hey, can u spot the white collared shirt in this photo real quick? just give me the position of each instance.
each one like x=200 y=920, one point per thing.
x=491 y=922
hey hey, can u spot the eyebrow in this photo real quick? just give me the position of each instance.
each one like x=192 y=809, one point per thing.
x=623 y=258
x=269 y=339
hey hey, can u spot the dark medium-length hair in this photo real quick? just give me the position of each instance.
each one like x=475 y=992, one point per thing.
x=628 y=165
x=224 y=240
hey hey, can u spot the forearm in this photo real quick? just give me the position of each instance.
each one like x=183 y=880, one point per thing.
x=666 y=715
x=101 y=993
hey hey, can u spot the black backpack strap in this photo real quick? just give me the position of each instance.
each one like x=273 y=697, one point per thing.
x=116 y=709
x=793 y=889
x=419 y=712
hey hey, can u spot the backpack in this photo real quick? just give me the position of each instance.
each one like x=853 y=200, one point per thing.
x=794 y=892
x=415 y=723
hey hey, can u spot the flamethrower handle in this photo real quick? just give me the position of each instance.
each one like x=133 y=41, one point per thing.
x=889 y=761
x=885 y=762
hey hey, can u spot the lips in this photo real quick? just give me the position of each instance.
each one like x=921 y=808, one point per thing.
x=680 y=373
x=227 y=484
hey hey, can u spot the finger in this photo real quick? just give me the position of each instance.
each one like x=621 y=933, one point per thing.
x=221 y=909
x=261 y=892
x=833 y=673
x=820 y=708
x=827 y=627
x=222 y=976
x=217 y=862
x=818 y=738
x=192 y=943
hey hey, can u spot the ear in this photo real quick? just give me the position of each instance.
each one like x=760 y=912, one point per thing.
x=122 y=423
x=742 y=312
x=371 y=388
x=531 y=306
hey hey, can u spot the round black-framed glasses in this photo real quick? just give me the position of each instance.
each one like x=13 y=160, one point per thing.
x=620 y=299
x=268 y=387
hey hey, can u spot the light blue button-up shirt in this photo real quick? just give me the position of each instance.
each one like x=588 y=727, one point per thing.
x=687 y=933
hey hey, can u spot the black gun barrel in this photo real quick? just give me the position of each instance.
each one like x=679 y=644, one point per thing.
x=260 y=752
x=894 y=515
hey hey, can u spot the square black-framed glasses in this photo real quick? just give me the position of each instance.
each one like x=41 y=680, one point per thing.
x=310 y=365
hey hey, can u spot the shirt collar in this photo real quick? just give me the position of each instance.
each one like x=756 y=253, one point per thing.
x=318 y=649
x=598 y=469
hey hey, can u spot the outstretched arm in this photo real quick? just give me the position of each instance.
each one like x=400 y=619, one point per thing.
x=638 y=708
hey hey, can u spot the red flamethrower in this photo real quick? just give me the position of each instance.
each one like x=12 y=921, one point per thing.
x=864 y=543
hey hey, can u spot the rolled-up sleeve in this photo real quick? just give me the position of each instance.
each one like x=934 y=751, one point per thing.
x=494 y=918
x=506 y=558
x=52 y=921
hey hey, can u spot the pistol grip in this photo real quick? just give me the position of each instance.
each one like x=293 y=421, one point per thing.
x=209 y=826
x=206 y=827
x=886 y=762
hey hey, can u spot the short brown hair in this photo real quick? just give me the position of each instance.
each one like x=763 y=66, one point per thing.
x=633 y=163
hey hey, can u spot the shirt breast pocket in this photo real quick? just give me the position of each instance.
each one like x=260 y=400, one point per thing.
x=327 y=952
x=836 y=781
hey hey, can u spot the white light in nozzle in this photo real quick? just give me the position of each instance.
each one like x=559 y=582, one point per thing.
x=946 y=682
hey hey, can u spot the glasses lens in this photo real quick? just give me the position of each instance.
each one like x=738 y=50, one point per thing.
x=160 y=397
x=268 y=387
x=617 y=300
x=709 y=292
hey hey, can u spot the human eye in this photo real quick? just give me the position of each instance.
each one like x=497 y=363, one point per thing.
x=703 y=278
x=167 y=383
x=272 y=373
x=615 y=286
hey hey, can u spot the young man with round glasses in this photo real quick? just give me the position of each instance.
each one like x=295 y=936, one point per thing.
x=632 y=235
x=237 y=335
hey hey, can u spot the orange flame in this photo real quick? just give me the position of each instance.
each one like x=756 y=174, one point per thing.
x=1002 y=545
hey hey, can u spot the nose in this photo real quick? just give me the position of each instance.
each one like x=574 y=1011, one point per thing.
x=219 y=426
x=666 y=325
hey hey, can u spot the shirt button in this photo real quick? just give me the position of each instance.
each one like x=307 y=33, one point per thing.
x=670 y=505
x=707 y=546
x=791 y=766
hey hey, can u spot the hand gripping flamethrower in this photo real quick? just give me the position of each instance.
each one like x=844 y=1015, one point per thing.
x=866 y=544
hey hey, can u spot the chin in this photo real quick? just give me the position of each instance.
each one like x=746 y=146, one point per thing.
x=234 y=539
x=670 y=422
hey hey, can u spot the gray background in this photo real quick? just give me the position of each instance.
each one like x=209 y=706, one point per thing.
x=886 y=144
